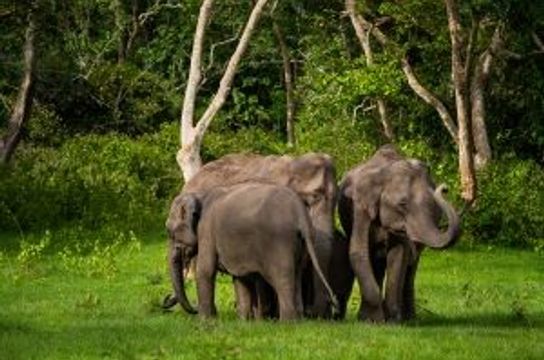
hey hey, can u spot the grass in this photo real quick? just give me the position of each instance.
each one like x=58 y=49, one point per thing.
x=100 y=299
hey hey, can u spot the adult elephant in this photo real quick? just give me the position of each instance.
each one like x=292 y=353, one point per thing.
x=312 y=176
x=390 y=210
x=247 y=230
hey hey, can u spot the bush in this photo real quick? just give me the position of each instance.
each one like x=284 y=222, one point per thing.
x=92 y=180
x=127 y=184
x=509 y=207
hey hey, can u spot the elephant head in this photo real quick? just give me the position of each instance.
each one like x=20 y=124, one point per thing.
x=403 y=198
x=400 y=196
x=391 y=198
x=182 y=232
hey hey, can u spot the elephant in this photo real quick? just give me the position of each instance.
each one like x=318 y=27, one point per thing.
x=246 y=230
x=390 y=211
x=312 y=176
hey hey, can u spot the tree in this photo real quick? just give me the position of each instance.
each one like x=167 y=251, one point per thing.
x=191 y=136
x=459 y=71
x=23 y=105
x=288 y=79
x=363 y=35
x=469 y=73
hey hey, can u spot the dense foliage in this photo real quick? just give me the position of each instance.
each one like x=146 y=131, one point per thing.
x=100 y=145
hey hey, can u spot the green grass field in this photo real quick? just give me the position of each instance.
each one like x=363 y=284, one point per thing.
x=102 y=300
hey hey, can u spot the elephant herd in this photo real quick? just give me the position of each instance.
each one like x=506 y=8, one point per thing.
x=269 y=222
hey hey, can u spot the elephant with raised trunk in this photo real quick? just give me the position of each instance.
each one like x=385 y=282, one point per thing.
x=390 y=210
x=246 y=230
x=312 y=176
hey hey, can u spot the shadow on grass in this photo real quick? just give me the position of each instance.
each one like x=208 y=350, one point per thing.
x=488 y=320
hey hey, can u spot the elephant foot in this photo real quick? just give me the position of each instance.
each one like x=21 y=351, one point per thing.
x=395 y=318
x=372 y=314
x=313 y=313
x=394 y=314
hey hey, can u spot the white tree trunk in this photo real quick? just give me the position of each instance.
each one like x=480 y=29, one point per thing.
x=466 y=166
x=188 y=156
x=482 y=69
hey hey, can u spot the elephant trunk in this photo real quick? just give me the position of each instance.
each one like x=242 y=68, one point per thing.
x=435 y=238
x=175 y=262
x=309 y=234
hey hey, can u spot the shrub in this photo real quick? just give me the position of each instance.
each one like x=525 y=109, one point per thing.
x=92 y=180
x=509 y=207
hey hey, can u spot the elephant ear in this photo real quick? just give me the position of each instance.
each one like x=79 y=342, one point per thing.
x=190 y=210
x=367 y=191
x=184 y=211
x=423 y=171
x=309 y=174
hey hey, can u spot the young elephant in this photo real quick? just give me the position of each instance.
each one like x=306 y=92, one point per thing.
x=390 y=210
x=246 y=230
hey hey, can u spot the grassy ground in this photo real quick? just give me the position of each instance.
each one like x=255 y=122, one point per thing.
x=101 y=300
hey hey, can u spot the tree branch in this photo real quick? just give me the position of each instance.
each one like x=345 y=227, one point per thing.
x=428 y=96
x=187 y=114
x=155 y=9
x=538 y=41
x=228 y=76
x=215 y=45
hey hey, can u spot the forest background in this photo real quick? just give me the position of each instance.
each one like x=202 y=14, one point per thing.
x=98 y=148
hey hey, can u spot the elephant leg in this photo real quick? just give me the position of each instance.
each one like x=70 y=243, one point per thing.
x=245 y=293
x=397 y=262
x=409 y=303
x=266 y=305
x=205 y=277
x=285 y=286
x=371 y=308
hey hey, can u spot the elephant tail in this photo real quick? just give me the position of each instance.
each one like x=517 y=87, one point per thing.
x=308 y=233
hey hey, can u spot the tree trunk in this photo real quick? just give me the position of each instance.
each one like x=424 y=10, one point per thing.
x=466 y=167
x=188 y=156
x=289 y=88
x=22 y=108
x=482 y=69
x=363 y=35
